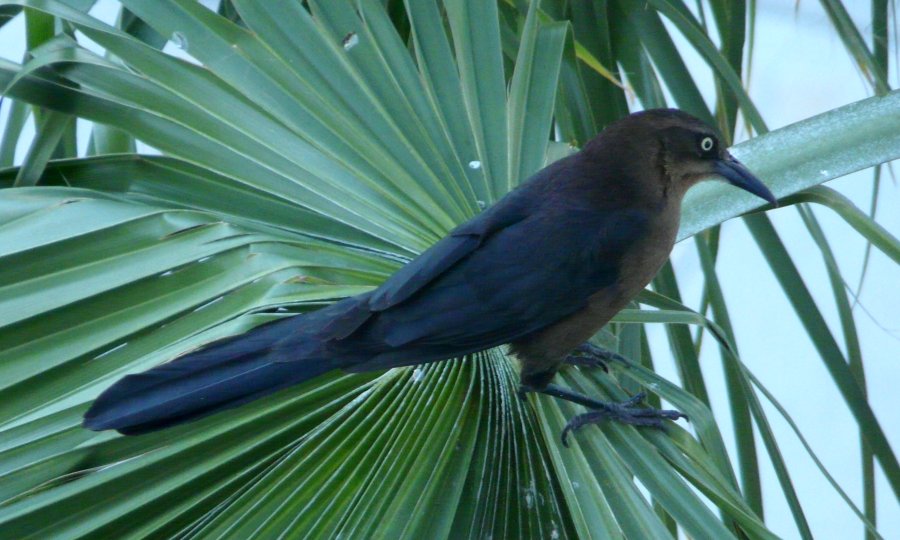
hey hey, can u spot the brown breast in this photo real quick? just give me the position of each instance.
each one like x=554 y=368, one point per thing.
x=545 y=350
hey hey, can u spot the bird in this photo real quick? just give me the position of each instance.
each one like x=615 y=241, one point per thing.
x=542 y=270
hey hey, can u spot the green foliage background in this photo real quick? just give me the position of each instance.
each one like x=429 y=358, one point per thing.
x=308 y=150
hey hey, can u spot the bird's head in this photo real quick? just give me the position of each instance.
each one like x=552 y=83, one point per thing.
x=685 y=150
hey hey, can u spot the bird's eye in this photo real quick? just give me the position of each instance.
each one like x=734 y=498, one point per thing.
x=707 y=144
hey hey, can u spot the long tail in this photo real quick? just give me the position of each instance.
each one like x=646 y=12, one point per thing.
x=223 y=375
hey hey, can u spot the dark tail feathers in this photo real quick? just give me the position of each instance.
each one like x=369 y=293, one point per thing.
x=223 y=375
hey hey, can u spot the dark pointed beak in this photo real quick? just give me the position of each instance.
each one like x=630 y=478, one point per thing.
x=740 y=176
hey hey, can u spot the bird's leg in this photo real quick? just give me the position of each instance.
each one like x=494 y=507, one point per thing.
x=590 y=355
x=626 y=412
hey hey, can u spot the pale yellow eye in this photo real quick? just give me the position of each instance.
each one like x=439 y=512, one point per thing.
x=707 y=144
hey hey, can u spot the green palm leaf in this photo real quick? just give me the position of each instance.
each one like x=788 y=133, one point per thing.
x=307 y=154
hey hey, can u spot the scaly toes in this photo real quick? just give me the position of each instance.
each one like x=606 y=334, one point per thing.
x=587 y=361
x=625 y=412
x=589 y=355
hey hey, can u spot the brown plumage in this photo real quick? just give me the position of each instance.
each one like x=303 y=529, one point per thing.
x=542 y=270
x=645 y=162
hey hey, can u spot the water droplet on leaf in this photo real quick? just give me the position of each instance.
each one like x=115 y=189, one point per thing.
x=179 y=40
x=350 y=40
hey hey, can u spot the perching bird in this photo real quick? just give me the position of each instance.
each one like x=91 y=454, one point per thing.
x=541 y=270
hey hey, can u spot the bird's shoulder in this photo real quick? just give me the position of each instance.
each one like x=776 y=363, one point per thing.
x=512 y=210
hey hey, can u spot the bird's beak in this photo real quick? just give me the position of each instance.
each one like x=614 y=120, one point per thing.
x=740 y=176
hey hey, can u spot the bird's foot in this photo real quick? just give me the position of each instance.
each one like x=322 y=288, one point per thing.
x=589 y=355
x=626 y=411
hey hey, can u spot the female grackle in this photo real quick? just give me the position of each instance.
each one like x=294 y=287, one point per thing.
x=542 y=270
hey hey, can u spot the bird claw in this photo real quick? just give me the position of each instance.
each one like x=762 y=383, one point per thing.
x=625 y=411
x=589 y=355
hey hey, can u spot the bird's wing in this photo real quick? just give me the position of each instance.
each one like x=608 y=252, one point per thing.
x=427 y=267
x=444 y=254
x=522 y=278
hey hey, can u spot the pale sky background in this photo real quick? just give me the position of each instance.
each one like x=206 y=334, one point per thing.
x=800 y=69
